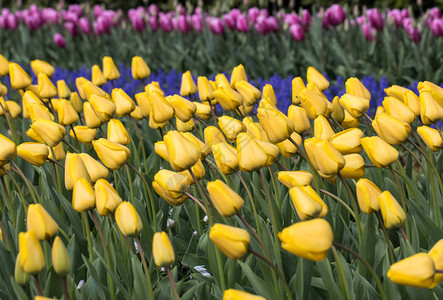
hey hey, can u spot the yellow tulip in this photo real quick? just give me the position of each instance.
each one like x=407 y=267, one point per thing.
x=297 y=86
x=38 y=111
x=185 y=126
x=182 y=152
x=143 y=103
x=225 y=157
x=221 y=81
x=110 y=71
x=251 y=155
x=307 y=203
x=58 y=151
x=287 y=148
x=431 y=137
x=203 y=148
x=40 y=221
x=324 y=157
x=171 y=186
x=3 y=90
x=79 y=82
x=356 y=88
x=199 y=172
x=127 y=219
x=4 y=70
x=60 y=258
x=91 y=118
x=160 y=110
x=315 y=104
x=390 y=129
x=228 y=98
x=97 y=76
x=232 y=241
x=354 y=166
x=213 y=136
x=8 y=150
x=278 y=126
x=299 y=118
x=117 y=132
x=430 y=111
x=356 y=106
x=205 y=89
x=76 y=102
x=84 y=134
x=124 y=105
x=435 y=90
x=412 y=101
x=34 y=153
x=226 y=201
x=154 y=86
x=436 y=253
x=18 y=77
x=249 y=92
x=46 y=89
x=32 y=259
x=106 y=197
x=348 y=141
x=315 y=76
x=349 y=121
x=322 y=129
x=232 y=294
x=380 y=153
x=162 y=250
x=90 y=89
x=183 y=108
x=393 y=213
x=20 y=277
x=103 y=107
x=63 y=90
x=137 y=113
x=337 y=112
x=188 y=86
x=417 y=270
x=74 y=169
x=294 y=178
x=34 y=136
x=13 y=108
x=308 y=239
x=67 y=115
x=238 y=74
x=112 y=155
x=203 y=110
x=268 y=93
x=398 y=109
x=255 y=129
x=396 y=91
x=40 y=66
x=231 y=127
x=83 y=196
x=367 y=196
x=139 y=68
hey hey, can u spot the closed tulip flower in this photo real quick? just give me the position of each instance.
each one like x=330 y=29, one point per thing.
x=94 y=168
x=348 y=141
x=232 y=241
x=268 y=93
x=160 y=149
x=287 y=148
x=249 y=92
x=67 y=115
x=117 y=132
x=338 y=112
x=83 y=196
x=74 y=169
x=139 y=68
x=430 y=111
x=315 y=76
x=106 y=197
x=396 y=91
x=84 y=134
x=182 y=153
x=63 y=90
x=255 y=129
x=110 y=71
x=356 y=106
x=112 y=155
x=203 y=110
x=228 y=98
x=435 y=90
x=162 y=250
x=183 y=108
x=128 y=220
x=307 y=203
x=251 y=155
x=221 y=80
x=297 y=86
x=91 y=118
x=39 y=221
x=238 y=74
x=143 y=103
x=398 y=109
x=20 y=277
x=79 y=82
x=58 y=151
x=154 y=86
x=8 y=150
x=417 y=270
x=203 y=148
x=124 y=105
x=356 y=88
x=38 y=111
x=40 y=66
x=46 y=88
x=412 y=101
x=390 y=129
x=232 y=294
x=436 y=253
x=3 y=66
x=231 y=127
x=308 y=239
x=278 y=126
x=171 y=186
x=97 y=76
x=324 y=157
x=32 y=259
x=199 y=172
x=213 y=136
x=380 y=153
x=185 y=126
x=354 y=166
x=103 y=107
x=393 y=213
x=90 y=89
x=294 y=178
x=188 y=86
x=18 y=77
x=137 y=113
x=322 y=129
x=367 y=196
x=13 y=109
x=60 y=258
x=299 y=118
x=225 y=157
x=315 y=104
x=349 y=121
x=34 y=153
x=205 y=89
x=431 y=137
x=160 y=110
x=76 y=102
x=226 y=201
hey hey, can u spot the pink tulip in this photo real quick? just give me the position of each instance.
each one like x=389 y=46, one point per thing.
x=85 y=27
x=153 y=23
x=59 y=40
x=253 y=14
x=229 y=21
x=297 y=32
x=375 y=18
x=242 y=24
x=197 y=22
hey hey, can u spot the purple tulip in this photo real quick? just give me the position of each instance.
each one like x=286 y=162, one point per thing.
x=235 y=13
x=165 y=23
x=50 y=15
x=197 y=22
x=253 y=14
x=404 y=13
x=59 y=40
x=368 y=31
x=216 y=25
x=3 y=22
x=72 y=28
x=198 y=10
x=84 y=25
x=97 y=10
x=297 y=32
x=292 y=19
x=138 y=23
x=306 y=18
x=229 y=21
x=395 y=15
x=261 y=25
x=437 y=27
x=335 y=15
x=153 y=23
x=242 y=24
x=32 y=21
x=272 y=24
x=375 y=18
x=153 y=10
x=12 y=21
x=183 y=25
x=434 y=13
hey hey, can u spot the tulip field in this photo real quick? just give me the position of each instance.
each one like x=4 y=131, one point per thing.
x=193 y=176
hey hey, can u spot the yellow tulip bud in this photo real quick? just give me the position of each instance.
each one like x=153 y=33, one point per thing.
x=8 y=150
x=356 y=88
x=39 y=221
x=226 y=201
x=94 y=168
x=299 y=117
x=232 y=241
x=249 y=92
x=199 y=171
x=431 y=137
x=38 y=111
x=213 y=136
x=411 y=100
x=20 y=277
x=3 y=66
x=162 y=250
x=79 y=82
x=349 y=121
x=117 y=132
x=307 y=203
x=63 y=90
x=315 y=104
x=436 y=253
x=106 y=197
x=268 y=92
x=238 y=74
x=324 y=157
x=287 y=148
x=231 y=127
x=183 y=108
x=393 y=213
x=315 y=76
x=137 y=113
x=67 y=115
x=160 y=110
x=3 y=90
x=221 y=81
x=40 y=66
x=188 y=86
x=203 y=110
x=83 y=196
x=104 y=108
x=90 y=89
x=32 y=259
x=347 y=141
x=139 y=68
x=13 y=108
x=84 y=134
x=380 y=153
x=185 y=126
x=435 y=91
x=356 y=106
x=160 y=149
x=232 y=294
x=127 y=219
x=396 y=91
x=337 y=112
x=390 y=129
x=18 y=77
x=46 y=88
x=203 y=148
x=7 y=167
x=34 y=153
x=417 y=270
x=225 y=157
x=60 y=258
x=205 y=89
x=154 y=86
x=74 y=169
x=354 y=166
x=124 y=105
x=278 y=126
x=112 y=155
x=110 y=71
x=228 y=98
x=308 y=239
x=398 y=109
x=143 y=103
x=295 y=178
x=251 y=155
x=255 y=129
x=182 y=152
x=297 y=86
x=58 y=151
x=367 y=196
x=430 y=111
x=91 y=118
x=50 y=132
x=322 y=129
x=76 y=102
x=171 y=186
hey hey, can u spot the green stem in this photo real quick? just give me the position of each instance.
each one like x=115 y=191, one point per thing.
x=65 y=288
x=145 y=267
x=76 y=138
x=22 y=197
x=274 y=184
x=353 y=203
x=131 y=189
x=57 y=177
x=88 y=235
x=385 y=233
x=349 y=209
x=402 y=197
x=251 y=200
x=8 y=198
x=173 y=287
x=341 y=273
x=10 y=124
x=30 y=187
